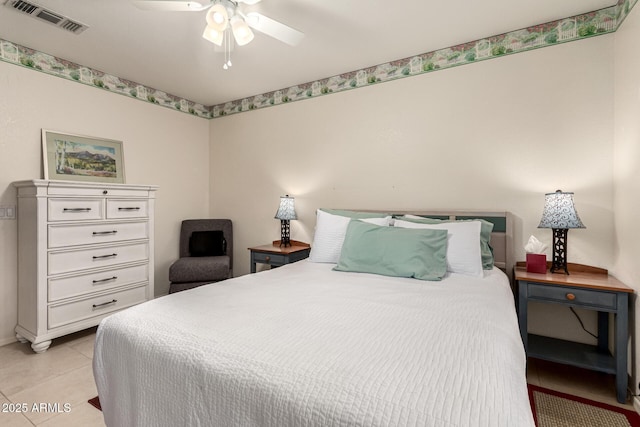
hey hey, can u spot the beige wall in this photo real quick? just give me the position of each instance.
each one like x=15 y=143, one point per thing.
x=627 y=160
x=493 y=135
x=161 y=147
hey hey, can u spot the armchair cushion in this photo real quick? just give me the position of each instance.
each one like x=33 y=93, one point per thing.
x=207 y=243
x=200 y=269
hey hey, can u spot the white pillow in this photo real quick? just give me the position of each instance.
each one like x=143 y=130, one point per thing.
x=463 y=244
x=329 y=235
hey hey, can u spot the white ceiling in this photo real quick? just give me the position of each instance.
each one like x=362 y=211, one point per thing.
x=166 y=51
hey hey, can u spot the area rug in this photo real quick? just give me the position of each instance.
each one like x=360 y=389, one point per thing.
x=95 y=402
x=554 y=409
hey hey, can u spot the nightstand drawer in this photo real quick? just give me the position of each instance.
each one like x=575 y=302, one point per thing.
x=272 y=259
x=568 y=295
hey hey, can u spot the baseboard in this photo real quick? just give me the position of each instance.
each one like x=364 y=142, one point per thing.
x=636 y=403
x=8 y=340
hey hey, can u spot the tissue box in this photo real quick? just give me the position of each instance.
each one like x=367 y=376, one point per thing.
x=537 y=263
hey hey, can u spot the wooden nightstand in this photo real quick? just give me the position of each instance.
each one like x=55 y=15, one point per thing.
x=588 y=288
x=276 y=255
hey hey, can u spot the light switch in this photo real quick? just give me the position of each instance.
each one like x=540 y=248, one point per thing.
x=7 y=212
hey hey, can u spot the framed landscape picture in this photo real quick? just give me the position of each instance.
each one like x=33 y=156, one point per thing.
x=81 y=158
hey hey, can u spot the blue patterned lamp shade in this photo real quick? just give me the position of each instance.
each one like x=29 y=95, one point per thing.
x=287 y=209
x=286 y=212
x=559 y=211
x=560 y=215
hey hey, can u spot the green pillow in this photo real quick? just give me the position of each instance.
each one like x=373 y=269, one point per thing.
x=355 y=214
x=399 y=252
x=486 y=227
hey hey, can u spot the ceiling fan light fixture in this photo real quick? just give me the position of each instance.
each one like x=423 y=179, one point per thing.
x=241 y=31
x=217 y=17
x=213 y=35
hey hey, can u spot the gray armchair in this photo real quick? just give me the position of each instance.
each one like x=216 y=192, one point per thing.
x=206 y=254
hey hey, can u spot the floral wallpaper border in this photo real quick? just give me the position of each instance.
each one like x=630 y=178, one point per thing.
x=599 y=22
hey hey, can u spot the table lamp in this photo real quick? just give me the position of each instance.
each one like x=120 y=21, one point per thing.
x=560 y=215
x=286 y=212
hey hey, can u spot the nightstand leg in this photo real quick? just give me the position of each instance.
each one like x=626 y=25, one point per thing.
x=622 y=335
x=253 y=262
x=522 y=313
x=603 y=331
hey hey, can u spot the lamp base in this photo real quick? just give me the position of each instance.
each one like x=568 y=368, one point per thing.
x=285 y=238
x=559 y=250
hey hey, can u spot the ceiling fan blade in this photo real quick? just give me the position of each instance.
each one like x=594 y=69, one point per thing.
x=173 y=5
x=273 y=28
x=249 y=2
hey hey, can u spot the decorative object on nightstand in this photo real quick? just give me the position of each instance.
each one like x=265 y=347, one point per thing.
x=560 y=215
x=275 y=255
x=286 y=212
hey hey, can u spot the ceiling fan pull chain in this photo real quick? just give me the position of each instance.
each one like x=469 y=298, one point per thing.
x=227 y=49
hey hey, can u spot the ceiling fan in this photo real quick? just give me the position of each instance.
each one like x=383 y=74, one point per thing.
x=225 y=17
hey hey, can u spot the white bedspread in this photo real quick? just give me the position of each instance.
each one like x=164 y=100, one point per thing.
x=303 y=345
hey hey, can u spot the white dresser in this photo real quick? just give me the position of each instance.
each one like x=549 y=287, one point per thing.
x=85 y=250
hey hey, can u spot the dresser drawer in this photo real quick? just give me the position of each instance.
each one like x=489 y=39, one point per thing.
x=568 y=295
x=66 y=287
x=117 y=209
x=88 y=234
x=69 y=261
x=62 y=314
x=75 y=209
x=97 y=191
x=272 y=259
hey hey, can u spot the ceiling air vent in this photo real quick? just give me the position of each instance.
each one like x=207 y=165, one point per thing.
x=36 y=11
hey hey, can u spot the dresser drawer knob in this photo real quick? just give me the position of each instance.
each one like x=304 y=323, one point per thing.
x=76 y=209
x=267 y=259
x=570 y=296
x=104 y=304
x=105 y=256
x=103 y=233
x=108 y=279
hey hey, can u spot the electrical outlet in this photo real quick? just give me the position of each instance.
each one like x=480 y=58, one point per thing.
x=7 y=212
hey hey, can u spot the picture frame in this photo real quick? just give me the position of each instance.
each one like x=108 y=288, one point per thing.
x=72 y=157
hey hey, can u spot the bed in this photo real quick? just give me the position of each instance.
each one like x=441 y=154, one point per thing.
x=306 y=345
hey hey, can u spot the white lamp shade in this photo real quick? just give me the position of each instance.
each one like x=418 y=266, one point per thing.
x=286 y=210
x=559 y=211
x=217 y=17
x=241 y=31
x=213 y=35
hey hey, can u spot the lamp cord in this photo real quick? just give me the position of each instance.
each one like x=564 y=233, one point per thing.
x=582 y=324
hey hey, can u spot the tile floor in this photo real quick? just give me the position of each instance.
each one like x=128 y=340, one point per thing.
x=63 y=375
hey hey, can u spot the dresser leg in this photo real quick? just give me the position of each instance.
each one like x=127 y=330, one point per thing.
x=41 y=347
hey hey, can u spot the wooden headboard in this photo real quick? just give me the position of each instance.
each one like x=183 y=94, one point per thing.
x=501 y=237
